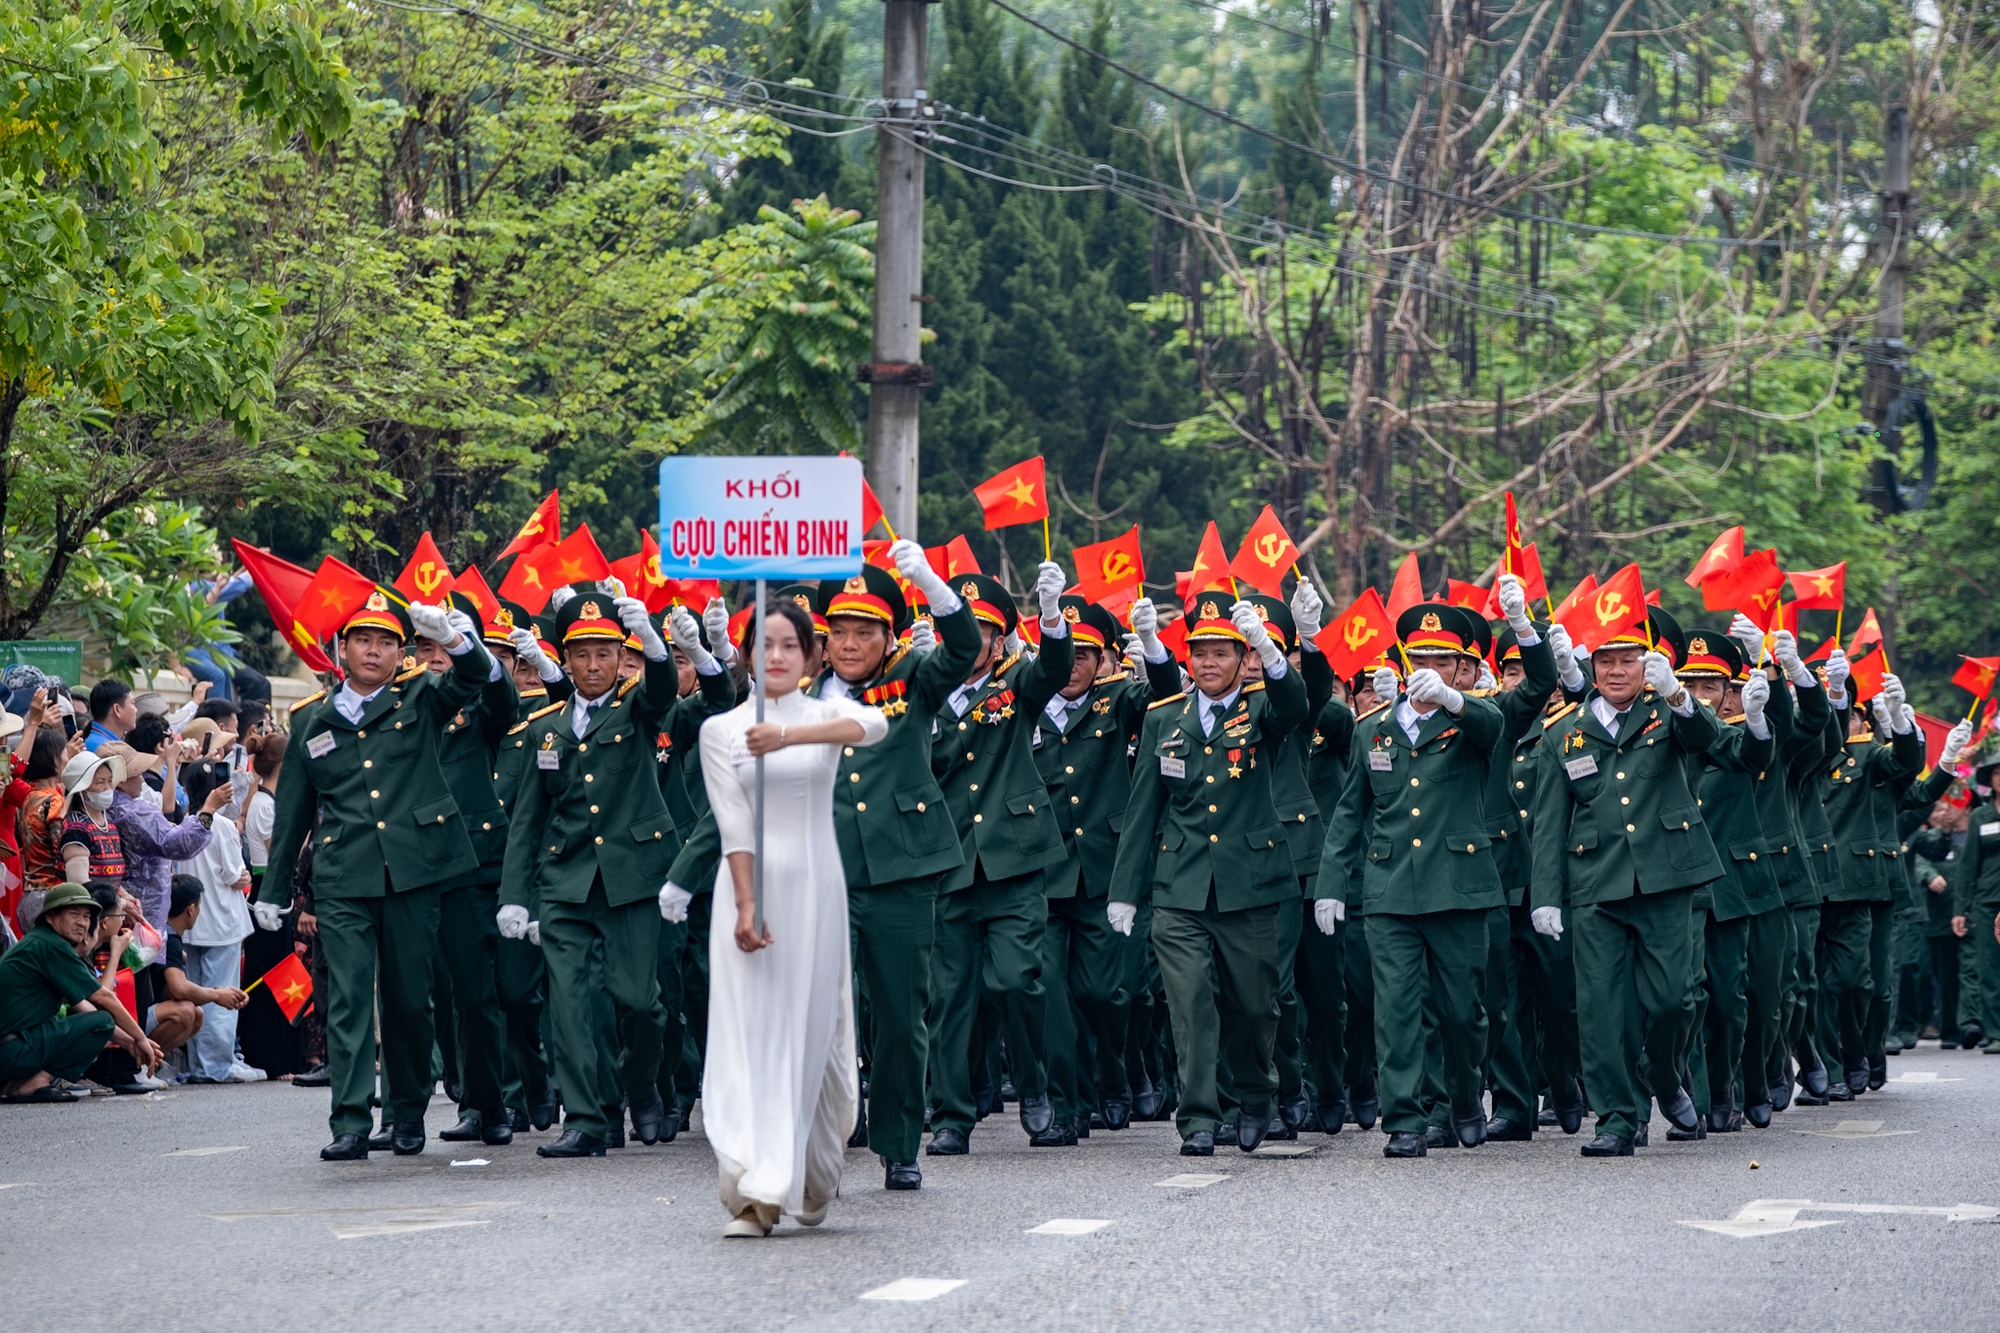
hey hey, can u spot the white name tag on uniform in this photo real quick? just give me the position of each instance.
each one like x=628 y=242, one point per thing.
x=547 y=759
x=320 y=746
x=1381 y=761
x=1172 y=768
x=1581 y=768
x=1990 y=829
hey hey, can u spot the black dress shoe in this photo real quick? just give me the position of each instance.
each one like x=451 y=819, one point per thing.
x=454 y=1092
x=1607 y=1144
x=465 y=1131
x=1293 y=1113
x=901 y=1176
x=1838 y=1091
x=1725 y=1120
x=382 y=1139
x=1815 y=1081
x=615 y=1138
x=1857 y=1079
x=407 y=1140
x=947 y=1142
x=1037 y=1115
x=542 y=1105
x=1095 y=1120
x=1675 y=1134
x=1406 y=1145
x=1569 y=1106
x=1054 y=1136
x=1146 y=1102
x=1367 y=1104
x=1878 y=1071
x=675 y=1120
x=1330 y=1117
x=1781 y=1095
x=517 y=1119
x=1252 y=1124
x=1437 y=1136
x=1643 y=1138
x=984 y=1100
x=1470 y=1129
x=1546 y=1118
x=573 y=1143
x=1082 y=1126
x=498 y=1134
x=1971 y=1036
x=1117 y=1112
x=647 y=1116
x=319 y=1076
x=1679 y=1110
x=1500 y=1129
x=1201 y=1143
x=1758 y=1114
x=1225 y=1134
x=345 y=1148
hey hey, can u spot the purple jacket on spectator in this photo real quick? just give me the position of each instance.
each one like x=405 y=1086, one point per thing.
x=152 y=845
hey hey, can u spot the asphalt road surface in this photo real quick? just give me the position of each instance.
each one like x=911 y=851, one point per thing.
x=207 y=1209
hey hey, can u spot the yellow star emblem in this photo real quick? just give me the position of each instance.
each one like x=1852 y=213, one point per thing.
x=1021 y=493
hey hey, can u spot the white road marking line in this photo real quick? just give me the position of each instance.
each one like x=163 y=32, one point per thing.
x=1286 y=1150
x=914 y=1289
x=1855 y=1129
x=396 y=1226
x=16 y=1184
x=472 y=1161
x=415 y=1211
x=1771 y=1217
x=206 y=1152
x=1189 y=1180
x=1069 y=1226
x=1923 y=1076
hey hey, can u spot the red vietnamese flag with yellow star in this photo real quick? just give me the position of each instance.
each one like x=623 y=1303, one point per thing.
x=1266 y=554
x=289 y=984
x=1020 y=494
x=640 y=573
x=427 y=578
x=1469 y=595
x=1104 y=569
x=543 y=527
x=1723 y=554
x=537 y=573
x=1819 y=589
x=955 y=557
x=1408 y=589
x=1977 y=675
x=1751 y=586
x=1211 y=566
x=282 y=584
x=335 y=593
x=473 y=584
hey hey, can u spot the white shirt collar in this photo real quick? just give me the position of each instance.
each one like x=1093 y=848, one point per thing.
x=960 y=699
x=1211 y=708
x=351 y=704
x=580 y=715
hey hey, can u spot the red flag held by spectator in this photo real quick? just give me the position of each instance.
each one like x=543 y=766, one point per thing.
x=1019 y=494
x=289 y=984
x=1266 y=555
x=543 y=527
x=281 y=584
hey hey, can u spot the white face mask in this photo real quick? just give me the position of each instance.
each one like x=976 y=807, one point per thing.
x=97 y=800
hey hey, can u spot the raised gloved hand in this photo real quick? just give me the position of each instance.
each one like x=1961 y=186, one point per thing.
x=1514 y=605
x=922 y=637
x=1879 y=706
x=1756 y=694
x=1427 y=687
x=1135 y=654
x=632 y=615
x=1306 y=611
x=1955 y=742
x=1785 y=651
x=1049 y=582
x=1906 y=718
x=1837 y=672
x=1893 y=691
x=269 y=916
x=1256 y=634
x=1121 y=916
x=915 y=567
x=1547 y=921
x=1487 y=680
x=1384 y=684
x=1327 y=913
x=535 y=933
x=513 y=922
x=1747 y=635
x=674 y=902
x=1016 y=646
x=463 y=623
x=529 y=649
x=687 y=637
x=1567 y=671
x=433 y=623
x=715 y=623
x=1660 y=678
x=1146 y=625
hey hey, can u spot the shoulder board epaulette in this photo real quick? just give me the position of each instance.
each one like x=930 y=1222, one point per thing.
x=1560 y=714
x=412 y=673
x=1370 y=713
x=1865 y=738
x=1001 y=670
x=900 y=651
x=1113 y=678
x=1740 y=717
x=312 y=698
x=630 y=683
x=543 y=712
x=1480 y=694
x=1170 y=699
x=1253 y=685
x=520 y=726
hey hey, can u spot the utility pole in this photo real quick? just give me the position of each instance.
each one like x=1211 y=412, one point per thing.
x=1887 y=353
x=896 y=376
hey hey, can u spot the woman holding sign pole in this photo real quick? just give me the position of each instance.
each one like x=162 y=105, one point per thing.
x=779 y=1089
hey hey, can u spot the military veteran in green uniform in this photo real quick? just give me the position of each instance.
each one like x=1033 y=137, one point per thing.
x=1203 y=844
x=1618 y=835
x=364 y=761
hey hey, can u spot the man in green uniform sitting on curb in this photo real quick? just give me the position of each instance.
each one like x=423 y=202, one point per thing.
x=1203 y=843
x=364 y=762
x=1618 y=829
x=55 y=1014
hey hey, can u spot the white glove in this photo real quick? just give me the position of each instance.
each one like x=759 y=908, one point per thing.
x=1514 y=606
x=715 y=620
x=1487 y=681
x=1121 y=916
x=1837 y=672
x=922 y=637
x=1256 y=634
x=535 y=933
x=1146 y=625
x=269 y=916
x=513 y=922
x=1660 y=678
x=432 y=622
x=1135 y=655
x=1905 y=720
x=1427 y=687
x=1879 y=706
x=529 y=649
x=674 y=902
x=1744 y=630
x=1384 y=684
x=916 y=570
x=1756 y=694
x=687 y=637
x=1785 y=651
x=1306 y=609
x=1049 y=582
x=463 y=623
x=632 y=615
x=1567 y=671
x=1955 y=742
x=1015 y=645
x=1547 y=921
x=1893 y=691
x=1327 y=914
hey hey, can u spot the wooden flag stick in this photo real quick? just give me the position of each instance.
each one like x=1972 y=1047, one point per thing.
x=884 y=521
x=1970 y=712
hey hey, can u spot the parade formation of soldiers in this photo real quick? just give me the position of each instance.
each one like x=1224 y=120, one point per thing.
x=1490 y=885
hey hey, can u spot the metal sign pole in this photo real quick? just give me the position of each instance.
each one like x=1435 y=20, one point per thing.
x=757 y=684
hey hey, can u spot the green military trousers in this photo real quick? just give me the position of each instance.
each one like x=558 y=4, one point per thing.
x=989 y=938
x=602 y=960
x=1083 y=970
x=1319 y=972
x=893 y=927
x=1357 y=973
x=384 y=944
x=1724 y=1011
x=468 y=941
x=1985 y=1008
x=1845 y=984
x=1802 y=993
x=1633 y=1005
x=1763 y=1002
x=1418 y=960
x=521 y=984
x=687 y=1024
x=1884 y=972
x=1220 y=973
x=65 y=1047
x=1538 y=1046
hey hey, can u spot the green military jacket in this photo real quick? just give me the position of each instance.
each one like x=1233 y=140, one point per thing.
x=1807 y=785
x=1614 y=815
x=1865 y=783
x=1732 y=770
x=677 y=757
x=1346 y=877
x=1329 y=749
x=1088 y=773
x=1510 y=802
x=592 y=807
x=985 y=764
x=1291 y=780
x=888 y=811
x=466 y=754
x=1202 y=825
x=1935 y=858
x=1412 y=817
x=1797 y=721
x=1975 y=880
x=511 y=761
x=387 y=820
